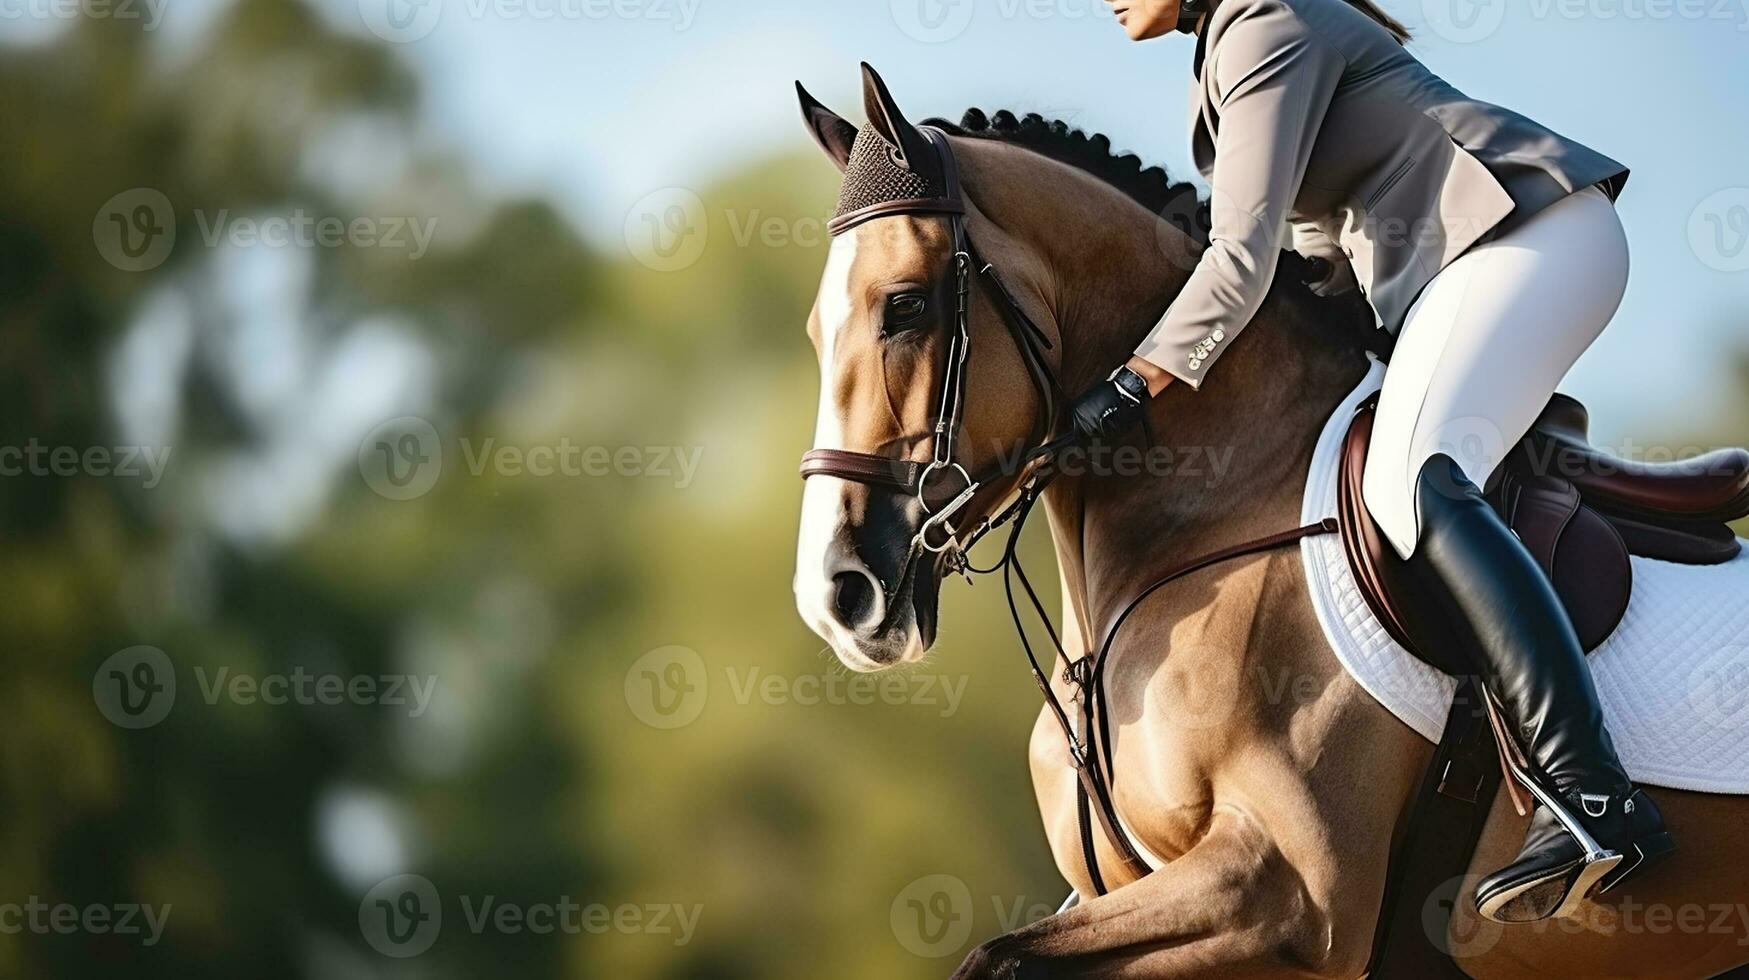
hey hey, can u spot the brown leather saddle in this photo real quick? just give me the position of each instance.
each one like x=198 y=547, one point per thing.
x=1580 y=510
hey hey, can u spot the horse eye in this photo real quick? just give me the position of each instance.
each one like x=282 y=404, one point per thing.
x=904 y=309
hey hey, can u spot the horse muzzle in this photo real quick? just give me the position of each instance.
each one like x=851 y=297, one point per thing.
x=860 y=583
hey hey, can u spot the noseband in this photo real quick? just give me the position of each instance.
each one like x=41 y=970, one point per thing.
x=931 y=482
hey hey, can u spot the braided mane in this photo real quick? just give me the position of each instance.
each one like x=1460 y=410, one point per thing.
x=1151 y=187
x=1346 y=319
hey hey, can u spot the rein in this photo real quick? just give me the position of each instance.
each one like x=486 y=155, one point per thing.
x=1093 y=740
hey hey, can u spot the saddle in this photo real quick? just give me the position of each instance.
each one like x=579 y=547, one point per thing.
x=1579 y=510
x=1582 y=513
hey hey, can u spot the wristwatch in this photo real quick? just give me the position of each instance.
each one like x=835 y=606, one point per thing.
x=1130 y=384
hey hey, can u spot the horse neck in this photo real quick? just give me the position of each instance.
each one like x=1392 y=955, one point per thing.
x=1228 y=463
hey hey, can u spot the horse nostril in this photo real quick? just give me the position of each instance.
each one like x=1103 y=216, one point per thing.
x=856 y=599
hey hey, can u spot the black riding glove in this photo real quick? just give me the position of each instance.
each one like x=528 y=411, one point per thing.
x=1112 y=408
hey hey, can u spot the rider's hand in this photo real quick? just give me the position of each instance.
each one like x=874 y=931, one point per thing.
x=1112 y=408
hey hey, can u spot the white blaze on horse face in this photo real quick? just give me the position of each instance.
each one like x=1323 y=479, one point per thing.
x=823 y=496
x=822 y=550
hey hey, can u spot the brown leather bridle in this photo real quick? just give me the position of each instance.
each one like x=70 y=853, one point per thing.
x=1092 y=743
x=932 y=482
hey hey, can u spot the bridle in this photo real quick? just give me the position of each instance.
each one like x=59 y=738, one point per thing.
x=1092 y=742
x=913 y=477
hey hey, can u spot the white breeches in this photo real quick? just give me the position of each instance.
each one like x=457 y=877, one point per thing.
x=1484 y=347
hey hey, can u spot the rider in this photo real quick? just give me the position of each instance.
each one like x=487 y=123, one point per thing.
x=1490 y=248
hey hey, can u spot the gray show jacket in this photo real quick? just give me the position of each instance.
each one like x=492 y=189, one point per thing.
x=1318 y=131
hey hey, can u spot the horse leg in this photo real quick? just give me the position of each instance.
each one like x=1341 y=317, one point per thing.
x=1231 y=906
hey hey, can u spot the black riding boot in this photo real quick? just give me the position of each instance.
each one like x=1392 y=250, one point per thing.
x=1591 y=828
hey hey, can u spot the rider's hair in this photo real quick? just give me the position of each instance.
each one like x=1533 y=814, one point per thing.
x=1390 y=23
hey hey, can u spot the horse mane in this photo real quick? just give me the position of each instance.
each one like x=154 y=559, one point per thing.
x=1347 y=318
x=1151 y=187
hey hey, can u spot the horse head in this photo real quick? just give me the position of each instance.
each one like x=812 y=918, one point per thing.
x=886 y=327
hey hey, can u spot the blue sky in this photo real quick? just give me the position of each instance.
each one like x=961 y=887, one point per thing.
x=601 y=110
x=599 y=102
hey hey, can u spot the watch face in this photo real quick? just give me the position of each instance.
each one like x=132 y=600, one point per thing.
x=1132 y=382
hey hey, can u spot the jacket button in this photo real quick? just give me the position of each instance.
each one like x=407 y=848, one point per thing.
x=1219 y=335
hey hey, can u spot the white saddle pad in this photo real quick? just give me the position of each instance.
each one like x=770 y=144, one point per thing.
x=1674 y=678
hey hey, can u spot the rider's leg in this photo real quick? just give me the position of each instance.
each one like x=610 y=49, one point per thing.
x=1476 y=361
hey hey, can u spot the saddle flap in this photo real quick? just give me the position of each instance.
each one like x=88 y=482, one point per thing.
x=1385 y=580
x=1581 y=553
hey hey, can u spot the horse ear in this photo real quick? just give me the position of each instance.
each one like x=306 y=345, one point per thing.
x=834 y=134
x=885 y=117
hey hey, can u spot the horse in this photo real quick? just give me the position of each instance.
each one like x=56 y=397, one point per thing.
x=1267 y=784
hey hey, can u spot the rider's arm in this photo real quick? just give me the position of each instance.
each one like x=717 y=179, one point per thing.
x=1274 y=79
